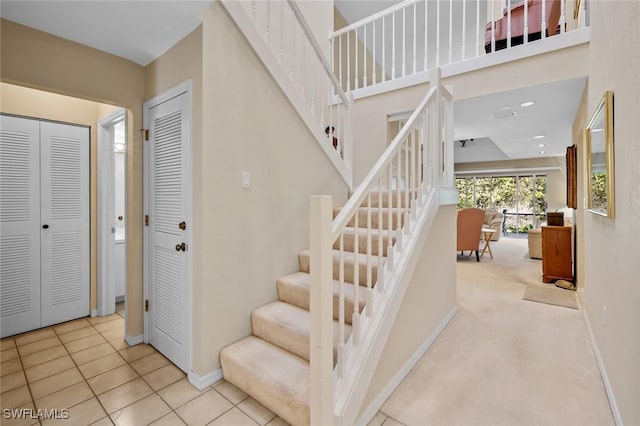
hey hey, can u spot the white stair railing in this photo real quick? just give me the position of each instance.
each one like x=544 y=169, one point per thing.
x=283 y=40
x=416 y=35
x=417 y=162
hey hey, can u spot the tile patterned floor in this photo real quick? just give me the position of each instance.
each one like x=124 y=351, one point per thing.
x=86 y=367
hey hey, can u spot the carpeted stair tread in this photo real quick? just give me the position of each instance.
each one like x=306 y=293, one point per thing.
x=288 y=327
x=274 y=377
x=350 y=259
x=350 y=237
x=294 y=289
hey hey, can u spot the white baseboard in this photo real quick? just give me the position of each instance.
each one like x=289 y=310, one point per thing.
x=201 y=382
x=386 y=392
x=134 y=340
x=94 y=313
x=603 y=372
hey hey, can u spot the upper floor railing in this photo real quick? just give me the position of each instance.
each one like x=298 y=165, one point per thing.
x=282 y=38
x=416 y=35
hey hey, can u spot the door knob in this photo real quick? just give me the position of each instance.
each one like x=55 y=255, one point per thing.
x=181 y=247
x=182 y=225
x=45 y=226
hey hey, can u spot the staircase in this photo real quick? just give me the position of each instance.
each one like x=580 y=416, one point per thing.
x=313 y=352
x=272 y=365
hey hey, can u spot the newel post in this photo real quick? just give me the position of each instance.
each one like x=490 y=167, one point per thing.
x=321 y=310
x=435 y=126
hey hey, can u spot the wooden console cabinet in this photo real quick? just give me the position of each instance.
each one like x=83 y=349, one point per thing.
x=557 y=258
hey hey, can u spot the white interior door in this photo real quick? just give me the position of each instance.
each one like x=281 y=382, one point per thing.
x=169 y=189
x=64 y=160
x=19 y=225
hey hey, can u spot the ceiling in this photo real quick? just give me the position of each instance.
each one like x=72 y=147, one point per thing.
x=139 y=30
x=143 y=30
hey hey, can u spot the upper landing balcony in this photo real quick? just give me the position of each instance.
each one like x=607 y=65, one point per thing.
x=394 y=48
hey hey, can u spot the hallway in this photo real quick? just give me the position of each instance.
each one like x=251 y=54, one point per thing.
x=503 y=360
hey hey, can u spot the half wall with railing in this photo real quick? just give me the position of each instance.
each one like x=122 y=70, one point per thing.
x=414 y=36
x=283 y=40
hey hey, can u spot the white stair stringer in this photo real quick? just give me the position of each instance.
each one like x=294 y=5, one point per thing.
x=363 y=359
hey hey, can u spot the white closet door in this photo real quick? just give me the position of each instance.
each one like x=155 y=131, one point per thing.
x=19 y=225
x=169 y=281
x=65 y=209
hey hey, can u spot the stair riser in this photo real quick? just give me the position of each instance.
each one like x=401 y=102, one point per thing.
x=299 y=296
x=350 y=239
x=270 y=330
x=375 y=201
x=375 y=219
x=349 y=270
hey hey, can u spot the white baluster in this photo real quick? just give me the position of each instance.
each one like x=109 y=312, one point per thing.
x=525 y=30
x=543 y=25
x=404 y=38
x=478 y=29
x=415 y=34
x=398 y=188
x=493 y=27
x=380 y=230
x=509 y=23
x=393 y=46
x=389 y=215
x=281 y=53
x=464 y=29
x=583 y=14
x=437 y=33
x=407 y=184
x=562 y=17
x=293 y=50
x=426 y=27
x=340 y=61
x=341 y=318
x=374 y=79
x=253 y=10
x=268 y=29
x=450 y=31
x=355 y=322
x=364 y=55
x=348 y=63
x=369 y=265
x=383 y=41
x=355 y=42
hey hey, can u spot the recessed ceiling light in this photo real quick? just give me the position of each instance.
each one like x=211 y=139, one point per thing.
x=540 y=152
x=527 y=104
x=538 y=137
x=541 y=145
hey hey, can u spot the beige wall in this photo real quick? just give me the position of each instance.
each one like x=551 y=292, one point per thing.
x=38 y=60
x=611 y=268
x=38 y=104
x=430 y=297
x=249 y=237
x=556 y=179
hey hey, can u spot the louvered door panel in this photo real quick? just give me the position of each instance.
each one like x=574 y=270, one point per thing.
x=65 y=208
x=167 y=147
x=19 y=225
x=168 y=281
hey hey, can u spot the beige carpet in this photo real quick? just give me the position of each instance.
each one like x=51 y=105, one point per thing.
x=503 y=361
x=551 y=295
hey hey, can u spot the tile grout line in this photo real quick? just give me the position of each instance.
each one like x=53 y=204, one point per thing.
x=26 y=379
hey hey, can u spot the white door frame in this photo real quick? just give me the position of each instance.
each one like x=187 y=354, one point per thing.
x=182 y=88
x=106 y=212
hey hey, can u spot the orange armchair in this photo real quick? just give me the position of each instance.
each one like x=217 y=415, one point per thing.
x=469 y=229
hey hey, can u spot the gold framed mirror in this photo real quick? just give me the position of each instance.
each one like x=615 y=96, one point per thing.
x=599 y=152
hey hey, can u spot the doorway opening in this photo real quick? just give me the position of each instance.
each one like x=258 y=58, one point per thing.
x=112 y=243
